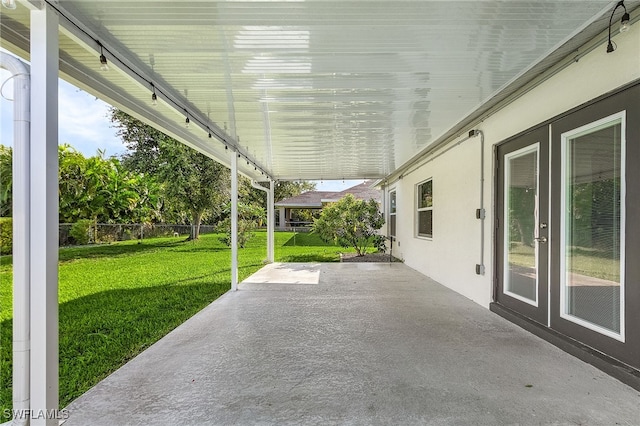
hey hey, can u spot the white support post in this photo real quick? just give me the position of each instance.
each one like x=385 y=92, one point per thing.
x=43 y=217
x=282 y=219
x=271 y=218
x=234 y=221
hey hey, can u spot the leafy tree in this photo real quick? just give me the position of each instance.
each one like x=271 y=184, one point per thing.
x=100 y=189
x=282 y=190
x=290 y=189
x=250 y=216
x=6 y=181
x=95 y=188
x=193 y=185
x=351 y=223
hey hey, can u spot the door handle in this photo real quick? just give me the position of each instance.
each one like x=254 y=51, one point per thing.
x=541 y=239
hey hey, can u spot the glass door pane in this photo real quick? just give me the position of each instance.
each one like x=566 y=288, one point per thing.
x=521 y=221
x=591 y=247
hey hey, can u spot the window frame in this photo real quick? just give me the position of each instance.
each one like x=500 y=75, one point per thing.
x=565 y=139
x=419 y=209
x=393 y=194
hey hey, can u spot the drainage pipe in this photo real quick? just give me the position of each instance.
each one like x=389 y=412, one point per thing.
x=270 y=217
x=21 y=234
x=480 y=213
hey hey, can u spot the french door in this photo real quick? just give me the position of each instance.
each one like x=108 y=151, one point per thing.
x=568 y=228
x=522 y=237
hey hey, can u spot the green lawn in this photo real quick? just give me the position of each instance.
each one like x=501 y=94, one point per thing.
x=116 y=300
x=584 y=261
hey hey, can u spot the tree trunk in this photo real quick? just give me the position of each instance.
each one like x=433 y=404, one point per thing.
x=196 y=219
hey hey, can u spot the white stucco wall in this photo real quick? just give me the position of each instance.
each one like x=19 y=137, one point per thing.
x=450 y=256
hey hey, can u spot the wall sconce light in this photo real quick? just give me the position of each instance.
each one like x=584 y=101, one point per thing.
x=624 y=24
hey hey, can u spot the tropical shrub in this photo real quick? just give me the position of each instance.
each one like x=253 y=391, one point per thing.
x=350 y=222
x=250 y=217
x=80 y=231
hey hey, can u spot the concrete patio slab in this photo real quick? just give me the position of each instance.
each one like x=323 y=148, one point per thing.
x=370 y=344
x=286 y=273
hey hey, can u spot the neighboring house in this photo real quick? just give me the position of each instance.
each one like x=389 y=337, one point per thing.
x=315 y=200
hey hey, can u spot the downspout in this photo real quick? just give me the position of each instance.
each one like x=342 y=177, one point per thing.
x=270 y=216
x=481 y=213
x=21 y=262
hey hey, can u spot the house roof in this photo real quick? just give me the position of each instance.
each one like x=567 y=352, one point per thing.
x=313 y=89
x=315 y=199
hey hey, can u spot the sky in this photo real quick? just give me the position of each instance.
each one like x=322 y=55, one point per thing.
x=84 y=124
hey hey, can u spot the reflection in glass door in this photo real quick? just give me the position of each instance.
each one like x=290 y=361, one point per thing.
x=521 y=221
x=591 y=270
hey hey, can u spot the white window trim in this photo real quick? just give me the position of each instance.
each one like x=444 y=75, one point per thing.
x=417 y=210
x=393 y=191
x=507 y=172
x=609 y=121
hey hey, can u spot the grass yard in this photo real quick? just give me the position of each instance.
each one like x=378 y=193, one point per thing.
x=116 y=300
x=584 y=261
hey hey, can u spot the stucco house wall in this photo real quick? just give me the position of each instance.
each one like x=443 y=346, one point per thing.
x=450 y=256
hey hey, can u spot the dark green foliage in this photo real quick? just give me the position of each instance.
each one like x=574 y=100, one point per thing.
x=350 y=223
x=282 y=190
x=250 y=216
x=80 y=231
x=6 y=235
x=194 y=187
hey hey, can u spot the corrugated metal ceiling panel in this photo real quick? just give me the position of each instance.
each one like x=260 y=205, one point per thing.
x=319 y=89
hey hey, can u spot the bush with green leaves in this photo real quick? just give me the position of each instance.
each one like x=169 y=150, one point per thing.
x=80 y=231
x=250 y=216
x=6 y=235
x=350 y=222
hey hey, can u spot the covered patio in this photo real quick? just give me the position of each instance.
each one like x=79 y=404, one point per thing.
x=352 y=343
x=312 y=90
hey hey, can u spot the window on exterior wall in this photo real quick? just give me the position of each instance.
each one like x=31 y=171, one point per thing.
x=425 y=208
x=392 y=213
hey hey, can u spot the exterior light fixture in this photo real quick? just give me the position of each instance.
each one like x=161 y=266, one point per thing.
x=226 y=147
x=104 y=66
x=187 y=122
x=209 y=130
x=154 y=97
x=9 y=4
x=624 y=24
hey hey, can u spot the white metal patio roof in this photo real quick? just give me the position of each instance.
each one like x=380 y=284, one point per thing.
x=312 y=89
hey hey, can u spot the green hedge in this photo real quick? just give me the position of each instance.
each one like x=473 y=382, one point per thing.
x=6 y=235
x=80 y=231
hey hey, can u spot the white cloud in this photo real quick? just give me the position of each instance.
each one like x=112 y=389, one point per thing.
x=82 y=122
